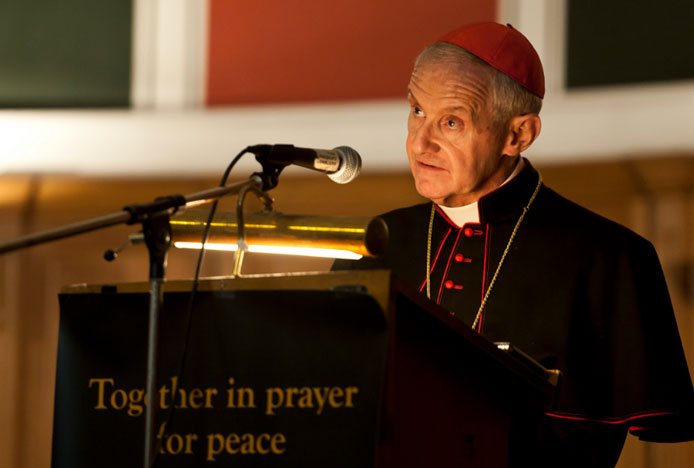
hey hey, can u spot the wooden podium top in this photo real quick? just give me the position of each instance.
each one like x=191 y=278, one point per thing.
x=378 y=283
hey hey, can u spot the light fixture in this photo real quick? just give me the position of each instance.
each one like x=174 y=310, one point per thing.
x=273 y=232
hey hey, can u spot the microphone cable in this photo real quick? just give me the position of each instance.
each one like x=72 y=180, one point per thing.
x=191 y=303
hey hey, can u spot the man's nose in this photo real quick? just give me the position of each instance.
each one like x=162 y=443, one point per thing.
x=424 y=139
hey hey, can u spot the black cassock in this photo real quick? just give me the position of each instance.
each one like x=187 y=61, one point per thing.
x=577 y=292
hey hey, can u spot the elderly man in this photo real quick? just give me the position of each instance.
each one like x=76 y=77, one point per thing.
x=519 y=263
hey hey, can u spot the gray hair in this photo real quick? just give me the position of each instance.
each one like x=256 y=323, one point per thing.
x=508 y=98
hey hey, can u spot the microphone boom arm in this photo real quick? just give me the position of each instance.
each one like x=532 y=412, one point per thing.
x=132 y=214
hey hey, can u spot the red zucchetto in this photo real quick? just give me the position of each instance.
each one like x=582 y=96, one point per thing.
x=505 y=49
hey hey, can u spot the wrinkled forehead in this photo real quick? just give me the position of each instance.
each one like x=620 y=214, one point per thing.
x=448 y=82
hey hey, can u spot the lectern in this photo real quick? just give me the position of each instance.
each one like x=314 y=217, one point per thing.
x=343 y=369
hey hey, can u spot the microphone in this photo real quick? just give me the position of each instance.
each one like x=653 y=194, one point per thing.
x=341 y=164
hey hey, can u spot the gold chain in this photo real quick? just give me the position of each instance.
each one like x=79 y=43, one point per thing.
x=431 y=226
x=503 y=256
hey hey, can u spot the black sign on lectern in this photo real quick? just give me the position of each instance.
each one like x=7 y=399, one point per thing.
x=343 y=369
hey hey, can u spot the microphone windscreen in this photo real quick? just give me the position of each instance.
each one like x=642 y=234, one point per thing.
x=350 y=166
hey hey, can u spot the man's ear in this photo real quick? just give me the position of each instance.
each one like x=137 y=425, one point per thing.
x=522 y=131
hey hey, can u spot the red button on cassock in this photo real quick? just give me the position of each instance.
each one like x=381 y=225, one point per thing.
x=468 y=232
x=459 y=258
x=448 y=284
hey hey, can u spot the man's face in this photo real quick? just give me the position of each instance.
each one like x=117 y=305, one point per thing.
x=455 y=157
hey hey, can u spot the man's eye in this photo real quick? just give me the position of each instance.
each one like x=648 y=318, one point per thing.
x=417 y=111
x=452 y=124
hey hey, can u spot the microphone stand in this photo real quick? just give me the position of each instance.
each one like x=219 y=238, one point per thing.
x=154 y=217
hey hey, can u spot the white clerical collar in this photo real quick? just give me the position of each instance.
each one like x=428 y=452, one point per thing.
x=470 y=214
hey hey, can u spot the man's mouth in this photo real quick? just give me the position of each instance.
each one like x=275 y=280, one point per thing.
x=425 y=165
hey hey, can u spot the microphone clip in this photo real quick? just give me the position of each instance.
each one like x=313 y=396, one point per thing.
x=272 y=167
